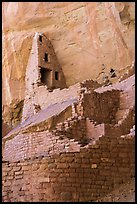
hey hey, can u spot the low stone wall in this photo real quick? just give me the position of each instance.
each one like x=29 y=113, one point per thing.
x=71 y=176
x=39 y=142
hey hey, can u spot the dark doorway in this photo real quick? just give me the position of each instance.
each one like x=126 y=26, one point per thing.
x=45 y=76
x=56 y=75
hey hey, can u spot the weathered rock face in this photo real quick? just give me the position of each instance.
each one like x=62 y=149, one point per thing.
x=89 y=40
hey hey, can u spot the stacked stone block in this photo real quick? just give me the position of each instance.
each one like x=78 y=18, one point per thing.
x=71 y=176
x=81 y=158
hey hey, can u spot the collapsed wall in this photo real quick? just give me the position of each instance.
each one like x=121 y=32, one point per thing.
x=87 y=111
x=79 y=153
x=97 y=111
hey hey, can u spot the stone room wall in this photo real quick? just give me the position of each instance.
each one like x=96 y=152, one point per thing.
x=71 y=176
x=101 y=107
x=81 y=158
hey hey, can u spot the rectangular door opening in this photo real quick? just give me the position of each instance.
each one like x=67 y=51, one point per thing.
x=45 y=76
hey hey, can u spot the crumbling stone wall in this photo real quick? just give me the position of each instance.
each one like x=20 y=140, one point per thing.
x=44 y=98
x=94 y=131
x=82 y=158
x=101 y=107
x=71 y=176
x=35 y=142
x=65 y=137
x=80 y=121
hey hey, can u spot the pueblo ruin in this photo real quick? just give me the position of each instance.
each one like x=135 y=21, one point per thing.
x=73 y=143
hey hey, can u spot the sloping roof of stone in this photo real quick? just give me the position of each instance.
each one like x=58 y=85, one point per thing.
x=123 y=85
x=43 y=115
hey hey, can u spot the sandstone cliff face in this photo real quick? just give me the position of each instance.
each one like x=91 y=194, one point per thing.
x=89 y=39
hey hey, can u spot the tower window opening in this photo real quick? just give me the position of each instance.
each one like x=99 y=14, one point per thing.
x=46 y=57
x=45 y=76
x=56 y=75
x=40 y=38
x=112 y=70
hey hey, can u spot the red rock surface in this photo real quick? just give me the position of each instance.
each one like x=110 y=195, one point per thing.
x=76 y=144
x=85 y=35
x=5 y=129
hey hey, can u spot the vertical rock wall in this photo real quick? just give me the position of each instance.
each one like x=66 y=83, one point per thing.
x=89 y=39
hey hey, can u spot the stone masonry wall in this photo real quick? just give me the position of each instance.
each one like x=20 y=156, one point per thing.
x=42 y=97
x=98 y=108
x=71 y=176
x=39 y=142
x=101 y=107
x=88 y=153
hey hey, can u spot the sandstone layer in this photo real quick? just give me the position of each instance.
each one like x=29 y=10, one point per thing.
x=89 y=39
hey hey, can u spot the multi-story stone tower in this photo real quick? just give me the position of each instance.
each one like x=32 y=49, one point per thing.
x=43 y=75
